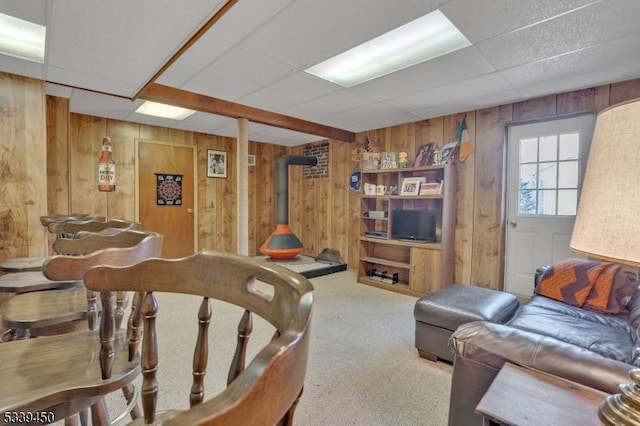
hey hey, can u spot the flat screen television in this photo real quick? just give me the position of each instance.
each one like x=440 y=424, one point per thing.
x=413 y=225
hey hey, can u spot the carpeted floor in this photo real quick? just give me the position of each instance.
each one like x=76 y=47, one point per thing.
x=363 y=368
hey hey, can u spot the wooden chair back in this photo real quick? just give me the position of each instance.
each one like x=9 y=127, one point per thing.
x=93 y=242
x=60 y=374
x=267 y=390
x=70 y=228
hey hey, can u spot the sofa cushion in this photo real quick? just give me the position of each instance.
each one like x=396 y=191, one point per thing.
x=611 y=336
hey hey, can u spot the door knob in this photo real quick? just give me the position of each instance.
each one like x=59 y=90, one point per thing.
x=190 y=211
x=513 y=224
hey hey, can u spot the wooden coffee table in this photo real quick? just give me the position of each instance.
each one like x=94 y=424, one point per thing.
x=521 y=396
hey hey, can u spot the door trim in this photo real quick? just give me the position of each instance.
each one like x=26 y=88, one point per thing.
x=136 y=196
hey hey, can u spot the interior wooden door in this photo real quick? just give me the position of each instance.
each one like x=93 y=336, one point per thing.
x=166 y=194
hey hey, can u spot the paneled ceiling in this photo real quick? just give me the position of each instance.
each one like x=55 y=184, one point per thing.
x=100 y=54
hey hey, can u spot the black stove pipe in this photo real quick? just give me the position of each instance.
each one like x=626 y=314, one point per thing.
x=283 y=182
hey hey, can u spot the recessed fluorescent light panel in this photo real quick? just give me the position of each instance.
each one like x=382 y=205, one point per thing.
x=21 y=39
x=418 y=41
x=164 y=111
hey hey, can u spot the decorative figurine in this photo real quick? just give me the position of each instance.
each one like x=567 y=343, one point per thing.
x=402 y=159
x=436 y=157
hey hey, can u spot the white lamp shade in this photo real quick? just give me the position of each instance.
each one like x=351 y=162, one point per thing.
x=608 y=221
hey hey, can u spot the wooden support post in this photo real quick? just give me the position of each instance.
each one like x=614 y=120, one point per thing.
x=242 y=171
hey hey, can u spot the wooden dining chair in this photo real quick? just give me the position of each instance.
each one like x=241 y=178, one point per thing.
x=63 y=308
x=56 y=375
x=264 y=392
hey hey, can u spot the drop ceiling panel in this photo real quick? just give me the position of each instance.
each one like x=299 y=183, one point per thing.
x=309 y=31
x=335 y=102
x=463 y=64
x=290 y=91
x=372 y=116
x=481 y=20
x=33 y=11
x=580 y=29
x=115 y=40
x=237 y=73
x=99 y=105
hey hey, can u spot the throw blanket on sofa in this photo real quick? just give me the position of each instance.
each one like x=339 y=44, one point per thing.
x=599 y=286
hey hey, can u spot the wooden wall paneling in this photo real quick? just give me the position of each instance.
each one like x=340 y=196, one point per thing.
x=23 y=166
x=545 y=106
x=57 y=156
x=310 y=220
x=226 y=227
x=624 y=91
x=85 y=147
x=207 y=201
x=488 y=230
x=165 y=134
x=265 y=196
x=252 y=206
x=122 y=202
x=577 y=101
x=297 y=215
x=401 y=137
x=463 y=247
x=339 y=175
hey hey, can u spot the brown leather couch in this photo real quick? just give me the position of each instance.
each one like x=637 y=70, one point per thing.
x=587 y=347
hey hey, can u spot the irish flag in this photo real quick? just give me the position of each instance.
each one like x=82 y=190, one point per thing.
x=464 y=141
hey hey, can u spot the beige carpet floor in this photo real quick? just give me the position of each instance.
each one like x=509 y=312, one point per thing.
x=363 y=368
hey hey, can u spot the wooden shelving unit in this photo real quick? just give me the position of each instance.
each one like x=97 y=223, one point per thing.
x=421 y=267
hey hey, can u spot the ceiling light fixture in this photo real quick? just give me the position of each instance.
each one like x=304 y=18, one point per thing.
x=165 y=111
x=418 y=41
x=22 y=39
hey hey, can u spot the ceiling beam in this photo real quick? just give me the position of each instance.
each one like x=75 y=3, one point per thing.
x=169 y=95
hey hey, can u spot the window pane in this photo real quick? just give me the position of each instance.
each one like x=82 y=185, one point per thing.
x=549 y=148
x=567 y=202
x=527 y=202
x=528 y=175
x=568 y=174
x=547 y=202
x=569 y=146
x=528 y=150
x=548 y=175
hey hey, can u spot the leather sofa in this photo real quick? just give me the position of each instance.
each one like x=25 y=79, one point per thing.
x=591 y=348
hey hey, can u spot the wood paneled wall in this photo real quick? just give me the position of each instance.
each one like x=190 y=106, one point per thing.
x=23 y=167
x=324 y=212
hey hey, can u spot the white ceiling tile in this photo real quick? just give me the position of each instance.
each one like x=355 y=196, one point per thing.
x=335 y=102
x=21 y=67
x=57 y=90
x=234 y=75
x=32 y=11
x=481 y=20
x=289 y=91
x=463 y=64
x=590 y=25
x=309 y=31
x=99 y=105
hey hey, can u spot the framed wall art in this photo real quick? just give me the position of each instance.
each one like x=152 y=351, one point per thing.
x=216 y=164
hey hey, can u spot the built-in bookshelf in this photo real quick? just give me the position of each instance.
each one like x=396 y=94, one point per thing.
x=405 y=265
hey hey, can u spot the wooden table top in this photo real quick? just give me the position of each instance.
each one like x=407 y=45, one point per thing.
x=22 y=264
x=521 y=396
x=23 y=282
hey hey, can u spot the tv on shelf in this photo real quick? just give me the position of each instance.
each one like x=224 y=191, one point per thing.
x=413 y=225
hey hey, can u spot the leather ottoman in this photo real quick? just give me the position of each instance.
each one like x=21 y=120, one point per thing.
x=438 y=315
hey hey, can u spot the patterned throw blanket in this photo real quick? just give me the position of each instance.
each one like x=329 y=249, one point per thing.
x=598 y=286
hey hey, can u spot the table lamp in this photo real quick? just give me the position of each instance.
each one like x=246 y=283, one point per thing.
x=607 y=225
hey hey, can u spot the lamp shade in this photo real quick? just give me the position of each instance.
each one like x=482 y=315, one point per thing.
x=607 y=225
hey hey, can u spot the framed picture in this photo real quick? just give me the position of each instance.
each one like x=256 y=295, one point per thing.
x=411 y=185
x=389 y=160
x=371 y=161
x=216 y=164
x=446 y=153
x=424 y=154
x=431 y=188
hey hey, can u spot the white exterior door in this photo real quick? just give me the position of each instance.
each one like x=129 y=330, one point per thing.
x=546 y=163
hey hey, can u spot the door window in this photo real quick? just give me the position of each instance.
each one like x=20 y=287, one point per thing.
x=549 y=175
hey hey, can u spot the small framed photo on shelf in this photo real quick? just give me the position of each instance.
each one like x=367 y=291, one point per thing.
x=446 y=153
x=411 y=185
x=424 y=154
x=371 y=161
x=389 y=160
x=431 y=188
